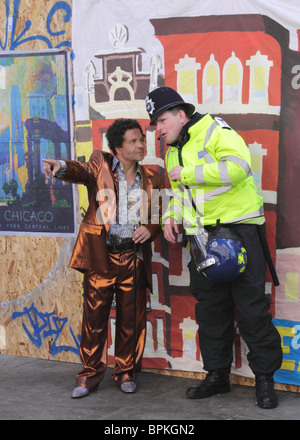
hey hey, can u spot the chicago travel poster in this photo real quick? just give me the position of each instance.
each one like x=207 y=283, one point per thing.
x=35 y=124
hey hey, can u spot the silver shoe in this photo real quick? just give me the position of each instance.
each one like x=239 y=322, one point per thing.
x=128 y=387
x=80 y=392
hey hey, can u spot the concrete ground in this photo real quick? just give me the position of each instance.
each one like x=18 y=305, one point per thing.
x=36 y=389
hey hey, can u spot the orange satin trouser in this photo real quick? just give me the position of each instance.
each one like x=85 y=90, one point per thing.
x=98 y=294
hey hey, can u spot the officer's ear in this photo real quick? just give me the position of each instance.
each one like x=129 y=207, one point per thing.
x=182 y=117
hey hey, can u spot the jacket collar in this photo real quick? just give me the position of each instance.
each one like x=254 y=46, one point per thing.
x=116 y=162
x=184 y=134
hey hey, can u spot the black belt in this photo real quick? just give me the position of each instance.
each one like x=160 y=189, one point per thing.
x=123 y=247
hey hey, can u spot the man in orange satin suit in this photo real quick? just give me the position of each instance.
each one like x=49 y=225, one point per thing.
x=120 y=191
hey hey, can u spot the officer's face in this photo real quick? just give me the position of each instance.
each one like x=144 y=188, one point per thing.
x=133 y=147
x=169 y=125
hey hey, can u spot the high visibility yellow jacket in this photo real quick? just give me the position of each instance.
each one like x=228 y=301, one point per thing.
x=216 y=180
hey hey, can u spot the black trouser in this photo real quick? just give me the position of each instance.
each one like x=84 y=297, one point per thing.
x=215 y=313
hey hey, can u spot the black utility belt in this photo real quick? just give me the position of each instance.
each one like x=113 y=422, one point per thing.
x=123 y=247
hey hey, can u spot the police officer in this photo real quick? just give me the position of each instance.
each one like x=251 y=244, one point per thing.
x=205 y=154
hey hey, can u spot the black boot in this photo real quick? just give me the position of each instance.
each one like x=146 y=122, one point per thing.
x=216 y=382
x=265 y=393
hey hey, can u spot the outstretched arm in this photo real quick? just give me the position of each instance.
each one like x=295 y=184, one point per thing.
x=74 y=171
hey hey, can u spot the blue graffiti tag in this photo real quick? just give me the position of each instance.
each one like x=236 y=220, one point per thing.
x=46 y=325
x=19 y=40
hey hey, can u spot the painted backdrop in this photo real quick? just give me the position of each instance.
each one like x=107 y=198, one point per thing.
x=240 y=64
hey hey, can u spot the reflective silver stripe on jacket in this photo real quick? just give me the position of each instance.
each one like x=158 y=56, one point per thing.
x=223 y=169
x=258 y=213
x=210 y=195
x=208 y=157
x=209 y=132
x=167 y=156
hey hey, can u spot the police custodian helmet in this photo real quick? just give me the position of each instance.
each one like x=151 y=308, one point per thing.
x=164 y=98
x=224 y=256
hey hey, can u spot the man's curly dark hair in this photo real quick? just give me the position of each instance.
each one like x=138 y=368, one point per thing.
x=116 y=131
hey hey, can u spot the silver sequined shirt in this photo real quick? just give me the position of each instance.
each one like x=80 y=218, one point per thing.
x=129 y=206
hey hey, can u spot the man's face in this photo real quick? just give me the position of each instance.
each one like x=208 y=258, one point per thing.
x=169 y=125
x=133 y=147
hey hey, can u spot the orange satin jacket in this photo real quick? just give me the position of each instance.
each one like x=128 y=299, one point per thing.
x=90 y=250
